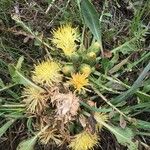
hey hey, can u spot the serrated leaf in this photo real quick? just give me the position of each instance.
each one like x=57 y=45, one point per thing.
x=4 y=128
x=123 y=136
x=91 y=18
x=27 y=144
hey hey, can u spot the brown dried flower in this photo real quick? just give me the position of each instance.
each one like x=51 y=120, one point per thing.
x=67 y=105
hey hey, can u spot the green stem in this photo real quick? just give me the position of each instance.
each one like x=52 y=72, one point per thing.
x=7 y=87
x=94 y=108
x=116 y=80
x=113 y=107
x=13 y=106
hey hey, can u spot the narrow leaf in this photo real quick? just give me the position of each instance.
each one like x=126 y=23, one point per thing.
x=134 y=87
x=142 y=124
x=27 y=144
x=118 y=66
x=4 y=128
x=19 y=63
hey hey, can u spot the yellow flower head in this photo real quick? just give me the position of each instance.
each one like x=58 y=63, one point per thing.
x=84 y=141
x=64 y=38
x=100 y=118
x=35 y=99
x=79 y=80
x=46 y=73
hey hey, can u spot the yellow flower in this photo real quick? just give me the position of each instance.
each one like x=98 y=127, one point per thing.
x=84 y=141
x=100 y=117
x=35 y=99
x=46 y=73
x=79 y=80
x=64 y=38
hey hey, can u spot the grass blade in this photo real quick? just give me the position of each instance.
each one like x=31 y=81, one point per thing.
x=4 y=128
x=134 y=87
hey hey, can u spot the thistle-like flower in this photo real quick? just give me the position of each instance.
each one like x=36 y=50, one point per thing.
x=35 y=99
x=79 y=81
x=64 y=38
x=46 y=73
x=100 y=118
x=84 y=141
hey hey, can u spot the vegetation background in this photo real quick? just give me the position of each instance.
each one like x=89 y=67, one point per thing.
x=126 y=43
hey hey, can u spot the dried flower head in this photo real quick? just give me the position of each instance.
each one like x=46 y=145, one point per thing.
x=84 y=141
x=35 y=99
x=50 y=135
x=64 y=38
x=67 y=106
x=100 y=117
x=46 y=73
x=79 y=81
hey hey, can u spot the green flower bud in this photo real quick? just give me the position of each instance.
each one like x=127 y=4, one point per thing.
x=95 y=47
x=75 y=58
x=68 y=69
x=86 y=69
x=91 y=55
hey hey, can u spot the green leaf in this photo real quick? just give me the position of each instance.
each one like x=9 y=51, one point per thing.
x=134 y=87
x=130 y=45
x=123 y=136
x=91 y=18
x=4 y=128
x=18 y=77
x=28 y=144
x=106 y=64
x=118 y=66
x=19 y=63
x=142 y=124
x=49 y=1
x=146 y=84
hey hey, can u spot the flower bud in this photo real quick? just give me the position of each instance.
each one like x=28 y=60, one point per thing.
x=68 y=69
x=95 y=47
x=86 y=69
